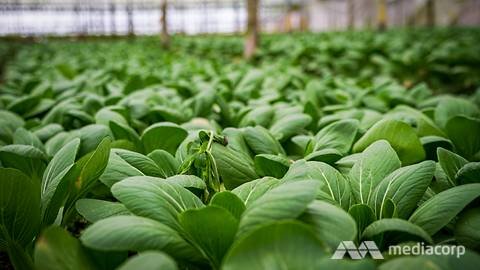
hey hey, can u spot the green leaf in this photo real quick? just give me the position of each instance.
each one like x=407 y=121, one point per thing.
x=286 y=201
x=271 y=165
x=363 y=216
x=179 y=115
x=346 y=163
x=328 y=155
x=423 y=124
x=261 y=141
x=401 y=137
x=20 y=208
x=9 y=122
x=55 y=173
x=141 y=162
x=287 y=126
x=132 y=233
x=280 y=245
x=56 y=249
x=76 y=115
x=165 y=161
x=235 y=168
x=330 y=223
x=187 y=181
x=405 y=187
x=375 y=103
x=236 y=140
x=438 y=211
x=345 y=264
x=155 y=198
x=339 y=135
x=450 y=107
x=105 y=260
x=230 y=202
x=369 y=118
x=470 y=173
x=123 y=131
x=398 y=229
x=389 y=209
x=94 y=167
x=26 y=158
x=134 y=82
x=118 y=169
x=105 y=115
x=251 y=191
x=203 y=102
x=44 y=105
x=469 y=260
x=463 y=132
x=261 y=116
x=299 y=144
x=450 y=163
x=66 y=70
x=18 y=256
x=83 y=177
x=91 y=136
x=166 y=136
x=432 y=143
x=24 y=104
x=440 y=181
x=54 y=144
x=212 y=229
x=94 y=210
x=8 y=152
x=25 y=137
x=333 y=187
x=48 y=131
x=466 y=228
x=149 y=260
x=375 y=163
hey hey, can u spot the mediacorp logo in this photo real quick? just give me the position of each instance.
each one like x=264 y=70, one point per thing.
x=357 y=253
x=369 y=247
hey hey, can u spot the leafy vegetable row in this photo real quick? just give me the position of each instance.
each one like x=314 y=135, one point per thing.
x=195 y=160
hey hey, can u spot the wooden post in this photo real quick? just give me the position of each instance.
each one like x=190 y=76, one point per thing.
x=430 y=12
x=351 y=14
x=455 y=15
x=78 y=19
x=164 y=37
x=305 y=17
x=131 y=30
x=382 y=15
x=101 y=19
x=113 y=24
x=252 y=35
x=236 y=7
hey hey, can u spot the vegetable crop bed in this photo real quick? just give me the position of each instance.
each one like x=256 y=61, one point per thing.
x=118 y=155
